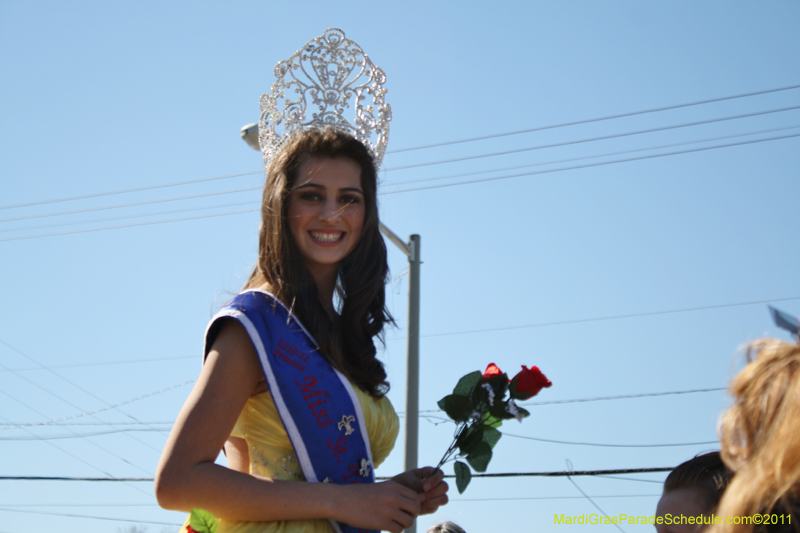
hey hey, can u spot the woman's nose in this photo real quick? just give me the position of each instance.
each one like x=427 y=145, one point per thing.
x=330 y=211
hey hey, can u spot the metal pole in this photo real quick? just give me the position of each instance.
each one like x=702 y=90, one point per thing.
x=412 y=361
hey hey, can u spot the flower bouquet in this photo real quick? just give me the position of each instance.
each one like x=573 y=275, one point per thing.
x=478 y=406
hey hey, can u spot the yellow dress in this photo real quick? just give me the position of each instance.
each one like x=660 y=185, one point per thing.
x=272 y=455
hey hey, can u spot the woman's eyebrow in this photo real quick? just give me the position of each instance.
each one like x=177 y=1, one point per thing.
x=307 y=185
x=351 y=189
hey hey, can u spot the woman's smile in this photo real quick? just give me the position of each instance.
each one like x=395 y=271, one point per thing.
x=326 y=238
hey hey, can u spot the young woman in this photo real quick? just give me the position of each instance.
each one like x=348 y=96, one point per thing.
x=320 y=277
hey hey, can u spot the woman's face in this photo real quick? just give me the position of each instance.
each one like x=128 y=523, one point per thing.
x=326 y=212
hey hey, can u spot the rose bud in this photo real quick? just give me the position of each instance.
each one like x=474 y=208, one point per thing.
x=528 y=383
x=491 y=371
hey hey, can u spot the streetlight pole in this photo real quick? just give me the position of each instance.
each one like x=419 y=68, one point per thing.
x=412 y=251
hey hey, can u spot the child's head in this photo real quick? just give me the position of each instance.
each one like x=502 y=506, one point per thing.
x=446 y=527
x=694 y=488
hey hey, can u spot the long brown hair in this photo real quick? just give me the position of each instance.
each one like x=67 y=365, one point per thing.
x=346 y=340
x=760 y=438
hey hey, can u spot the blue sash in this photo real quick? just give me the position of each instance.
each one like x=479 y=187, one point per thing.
x=317 y=405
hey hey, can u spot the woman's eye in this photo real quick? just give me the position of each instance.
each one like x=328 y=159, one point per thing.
x=350 y=199
x=310 y=196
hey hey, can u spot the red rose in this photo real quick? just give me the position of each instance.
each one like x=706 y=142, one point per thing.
x=492 y=371
x=528 y=383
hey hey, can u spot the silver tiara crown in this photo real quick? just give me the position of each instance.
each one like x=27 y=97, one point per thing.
x=314 y=88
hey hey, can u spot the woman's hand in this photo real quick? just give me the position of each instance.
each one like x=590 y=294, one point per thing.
x=429 y=484
x=385 y=506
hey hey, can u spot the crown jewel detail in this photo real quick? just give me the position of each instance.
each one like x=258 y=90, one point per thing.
x=315 y=86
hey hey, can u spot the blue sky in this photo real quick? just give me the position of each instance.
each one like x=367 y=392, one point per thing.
x=620 y=278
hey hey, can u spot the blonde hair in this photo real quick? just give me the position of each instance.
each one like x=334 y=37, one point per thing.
x=446 y=527
x=760 y=436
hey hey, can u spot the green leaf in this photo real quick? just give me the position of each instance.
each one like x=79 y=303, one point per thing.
x=203 y=522
x=498 y=410
x=459 y=408
x=480 y=456
x=467 y=383
x=469 y=439
x=491 y=421
x=440 y=403
x=491 y=436
x=463 y=476
x=524 y=412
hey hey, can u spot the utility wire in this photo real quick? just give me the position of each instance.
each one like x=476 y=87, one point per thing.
x=596 y=156
x=105 y=363
x=597 y=119
x=85 y=435
x=135 y=520
x=127 y=217
x=131 y=204
x=26 y=237
x=569 y=465
x=492 y=136
x=530 y=404
x=467 y=182
x=624 y=396
x=611 y=445
x=73 y=455
x=589 y=165
x=169 y=422
x=397 y=183
x=610 y=317
x=83 y=390
x=124 y=191
x=592 y=139
x=451 y=500
x=50 y=443
x=503 y=474
x=73 y=417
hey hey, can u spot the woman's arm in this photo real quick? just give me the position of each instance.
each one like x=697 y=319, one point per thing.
x=188 y=478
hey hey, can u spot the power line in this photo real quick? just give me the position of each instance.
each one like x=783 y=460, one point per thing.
x=589 y=165
x=597 y=119
x=595 y=444
x=610 y=317
x=575 y=167
x=104 y=363
x=124 y=191
x=51 y=444
x=451 y=500
x=84 y=435
x=592 y=139
x=624 y=396
x=82 y=389
x=504 y=134
x=569 y=465
x=79 y=505
x=56 y=421
x=131 y=204
x=73 y=455
x=169 y=422
x=26 y=237
x=439 y=178
x=135 y=520
x=503 y=474
x=582 y=158
x=127 y=217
